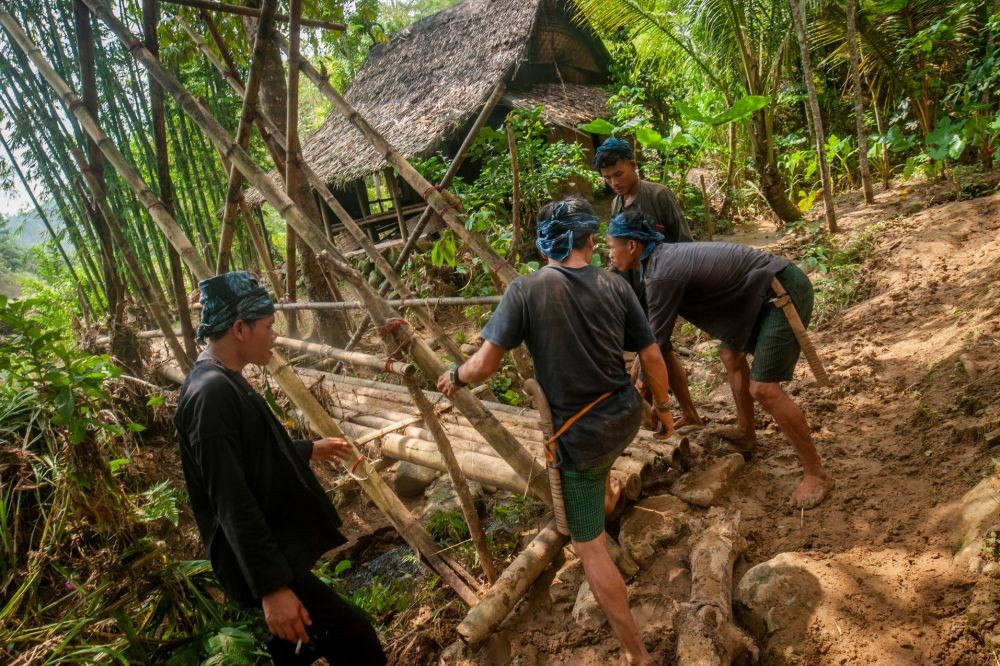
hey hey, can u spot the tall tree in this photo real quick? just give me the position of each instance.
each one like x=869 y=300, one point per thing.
x=798 y=19
x=859 y=107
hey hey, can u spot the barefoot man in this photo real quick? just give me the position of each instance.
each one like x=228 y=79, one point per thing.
x=577 y=321
x=616 y=162
x=724 y=289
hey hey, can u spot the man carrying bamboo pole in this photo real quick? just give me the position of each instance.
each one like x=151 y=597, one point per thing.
x=577 y=321
x=740 y=296
x=262 y=515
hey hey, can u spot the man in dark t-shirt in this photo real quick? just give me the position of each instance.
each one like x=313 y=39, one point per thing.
x=261 y=513
x=725 y=290
x=577 y=321
x=616 y=161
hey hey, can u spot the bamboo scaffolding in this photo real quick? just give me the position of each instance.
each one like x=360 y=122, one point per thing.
x=355 y=358
x=398 y=333
x=319 y=420
x=252 y=12
x=248 y=111
x=293 y=152
x=268 y=128
x=442 y=204
x=395 y=303
x=458 y=481
x=429 y=211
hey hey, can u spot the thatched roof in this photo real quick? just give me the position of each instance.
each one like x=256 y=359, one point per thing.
x=424 y=84
x=566 y=104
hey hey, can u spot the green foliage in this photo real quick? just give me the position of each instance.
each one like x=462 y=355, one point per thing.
x=448 y=527
x=160 y=501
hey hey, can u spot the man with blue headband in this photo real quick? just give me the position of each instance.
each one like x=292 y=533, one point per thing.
x=261 y=513
x=726 y=290
x=577 y=321
x=616 y=162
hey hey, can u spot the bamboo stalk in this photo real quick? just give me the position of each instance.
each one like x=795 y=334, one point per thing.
x=253 y=12
x=395 y=303
x=458 y=481
x=248 y=111
x=319 y=420
x=498 y=601
x=356 y=358
x=515 y=211
x=293 y=152
x=390 y=182
x=153 y=299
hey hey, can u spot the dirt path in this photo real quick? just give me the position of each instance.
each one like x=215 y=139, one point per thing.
x=916 y=384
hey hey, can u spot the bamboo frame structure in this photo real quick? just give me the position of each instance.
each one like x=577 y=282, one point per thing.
x=356 y=358
x=319 y=420
x=268 y=129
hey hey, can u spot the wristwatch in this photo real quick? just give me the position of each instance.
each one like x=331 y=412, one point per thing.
x=662 y=406
x=454 y=377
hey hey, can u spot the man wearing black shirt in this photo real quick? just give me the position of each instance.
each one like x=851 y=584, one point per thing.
x=724 y=289
x=261 y=513
x=577 y=320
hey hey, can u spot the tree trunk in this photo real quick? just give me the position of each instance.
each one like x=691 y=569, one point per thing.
x=331 y=326
x=150 y=19
x=798 y=18
x=772 y=185
x=859 y=107
x=113 y=286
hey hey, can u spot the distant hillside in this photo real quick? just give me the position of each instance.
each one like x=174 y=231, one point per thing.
x=32 y=229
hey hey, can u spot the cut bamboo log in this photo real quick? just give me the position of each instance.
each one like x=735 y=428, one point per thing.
x=477 y=466
x=498 y=601
x=396 y=303
x=630 y=484
x=357 y=358
x=706 y=633
x=319 y=420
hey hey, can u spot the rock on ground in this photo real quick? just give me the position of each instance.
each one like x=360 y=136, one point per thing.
x=651 y=525
x=706 y=487
x=412 y=480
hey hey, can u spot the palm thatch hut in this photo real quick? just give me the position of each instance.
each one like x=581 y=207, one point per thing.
x=424 y=87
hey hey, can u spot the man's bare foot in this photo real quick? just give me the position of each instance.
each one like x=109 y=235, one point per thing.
x=688 y=420
x=745 y=440
x=612 y=496
x=812 y=490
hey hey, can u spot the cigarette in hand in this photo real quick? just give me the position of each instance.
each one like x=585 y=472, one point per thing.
x=298 y=647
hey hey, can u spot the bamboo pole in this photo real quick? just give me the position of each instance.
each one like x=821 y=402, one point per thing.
x=390 y=182
x=511 y=586
x=395 y=303
x=153 y=299
x=355 y=358
x=515 y=209
x=293 y=151
x=443 y=205
x=458 y=481
x=425 y=316
x=253 y=12
x=408 y=421
x=319 y=420
x=150 y=19
x=248 y=111
x=709 y=222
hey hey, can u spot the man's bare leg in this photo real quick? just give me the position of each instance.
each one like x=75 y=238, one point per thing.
x=609 y=590
x=816 y=482
x=677 y=378
x=738 y=373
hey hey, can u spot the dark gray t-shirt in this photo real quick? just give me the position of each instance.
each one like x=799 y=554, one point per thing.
x=576 y=323
x=718 y=287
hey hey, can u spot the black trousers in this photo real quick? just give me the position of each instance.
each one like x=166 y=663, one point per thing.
x=339 y=631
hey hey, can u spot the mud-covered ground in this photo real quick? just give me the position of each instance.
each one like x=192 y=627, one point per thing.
x=904 y=431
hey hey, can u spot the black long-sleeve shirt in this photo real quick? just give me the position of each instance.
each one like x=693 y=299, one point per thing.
x=262 y=515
